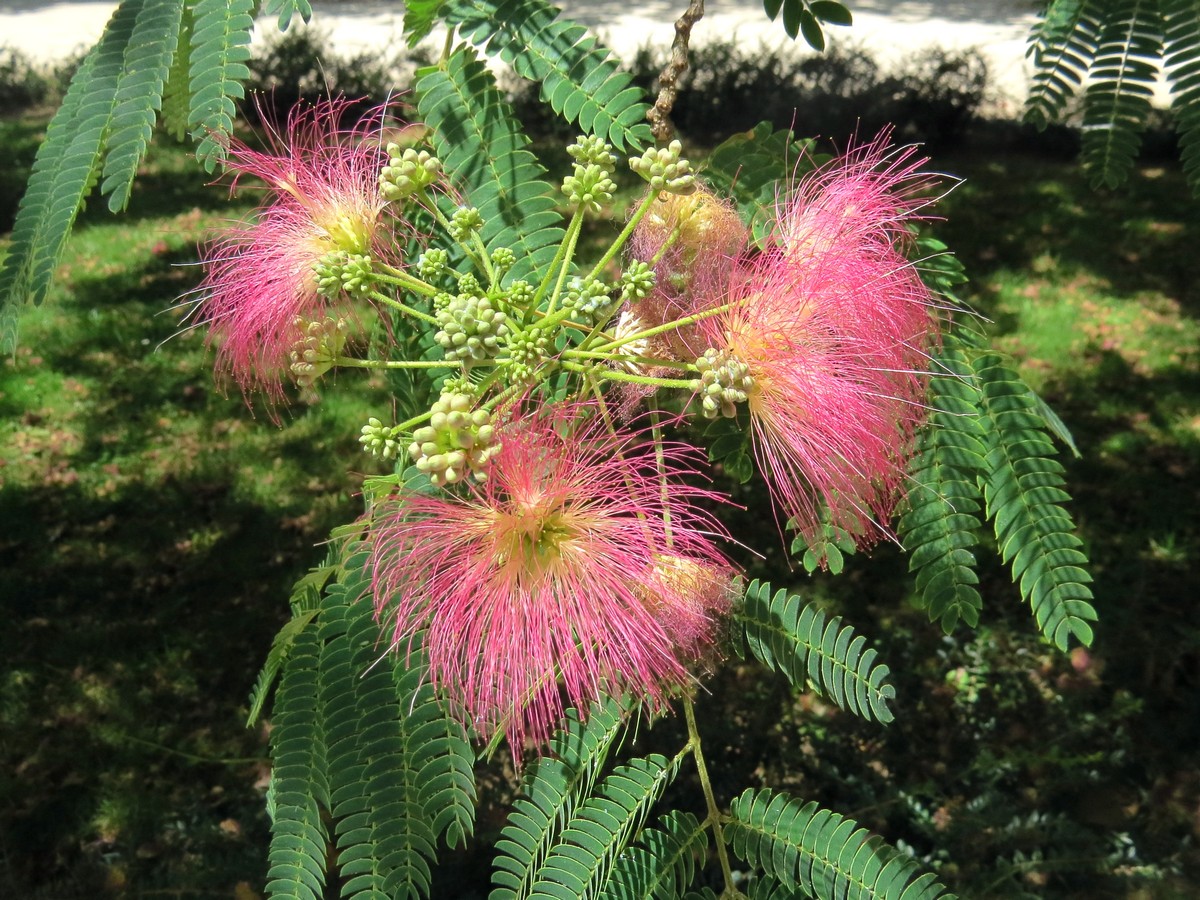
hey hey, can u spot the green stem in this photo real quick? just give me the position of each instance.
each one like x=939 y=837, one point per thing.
x=613 y=375
x=634 y=221
x=563 y=260
x=660 y=463
x=714 y=813
x=668 y=326
x=356 y=363
x=404 y=308
x=579 y=353
x=392 y=275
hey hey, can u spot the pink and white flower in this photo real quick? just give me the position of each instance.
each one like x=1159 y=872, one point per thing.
x=836 y=325
x=570 y=573
x=324 y=197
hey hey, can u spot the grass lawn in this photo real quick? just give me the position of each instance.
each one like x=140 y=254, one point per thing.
x=150 y=527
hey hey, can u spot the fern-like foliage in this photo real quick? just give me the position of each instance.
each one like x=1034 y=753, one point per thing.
x=477 y=138
x=941 y=528
x=362 y=741
x=1023 y=491
x=65 y=170
x=185 y=58
x=220 y=48
x=1181 y=62
x=1062 y=46
x=285 y=9
x=1122 y=77
x=578 y=77
x=821 y=853
x=299 y=779
x=805 y=17
x=662 y=863
x=139 y=95
x=551 y=791
x=579 y=864
x=1114 y=50
x=814 y=652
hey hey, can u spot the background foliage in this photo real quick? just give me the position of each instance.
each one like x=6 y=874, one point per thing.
x=986 y=688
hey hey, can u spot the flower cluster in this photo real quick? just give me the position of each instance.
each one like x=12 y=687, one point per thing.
x=549 y=544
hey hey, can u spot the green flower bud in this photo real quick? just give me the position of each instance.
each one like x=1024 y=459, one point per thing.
x=503 y=259
x=589 y=188
x=724 y=382
x=458 y=440
x=338 y=271
x=407 y=173
x=527 y=350
x=315 y=353
x=590 y=150
x=432 y=264
x=590 y=298
x=636 y=282
x=380 y=440
x=465 y=222
x=470 y=328
x=665 y=169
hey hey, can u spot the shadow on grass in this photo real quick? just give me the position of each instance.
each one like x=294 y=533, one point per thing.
x=1012 y=211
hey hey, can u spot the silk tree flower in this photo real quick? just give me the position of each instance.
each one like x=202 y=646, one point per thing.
x=569 y=573
x=829 y=333
x=260 y=289
x=693 y=240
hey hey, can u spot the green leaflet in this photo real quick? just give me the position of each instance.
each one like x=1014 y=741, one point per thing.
x=662 y=863
x=1181 y=61
x=551 y=790
x=1117 y=47
x=819 y=852
x=1061 y=46
x=941 y=528
x=139 y=96
x=477 y=139
x=1022 y=487
x=299 y=783
x=579 y=864
x=361 y=738
x=814 y=653
x=578 y=77
x=805 y=17
x=220 y=48
x=66 y=169
x=1121 y=82
x=285 y=9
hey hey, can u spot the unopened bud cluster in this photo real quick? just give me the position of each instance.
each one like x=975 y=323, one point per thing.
x=317 y=350
x=470 y=328
x=591 y=298
x=724 y=382
x=458 y=440
x=526 y=352
x=408 y=172
x=665 y=169
x=379 y=439
x=339 y=271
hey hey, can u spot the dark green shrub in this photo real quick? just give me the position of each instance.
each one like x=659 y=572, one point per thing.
x=935 y=95
x=726 y=89
x=22 y=83
x=301 y=65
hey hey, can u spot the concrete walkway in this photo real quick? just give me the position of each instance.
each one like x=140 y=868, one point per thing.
x=889 y=29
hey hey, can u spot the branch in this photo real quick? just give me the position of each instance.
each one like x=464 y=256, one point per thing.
x=660 y=115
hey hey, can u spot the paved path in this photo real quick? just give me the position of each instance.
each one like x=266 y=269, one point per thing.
x=888 y=28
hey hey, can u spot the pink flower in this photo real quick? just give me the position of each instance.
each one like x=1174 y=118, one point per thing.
x=569 y=571
x=260 y=278
x=836 y=326
x=693 y=241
